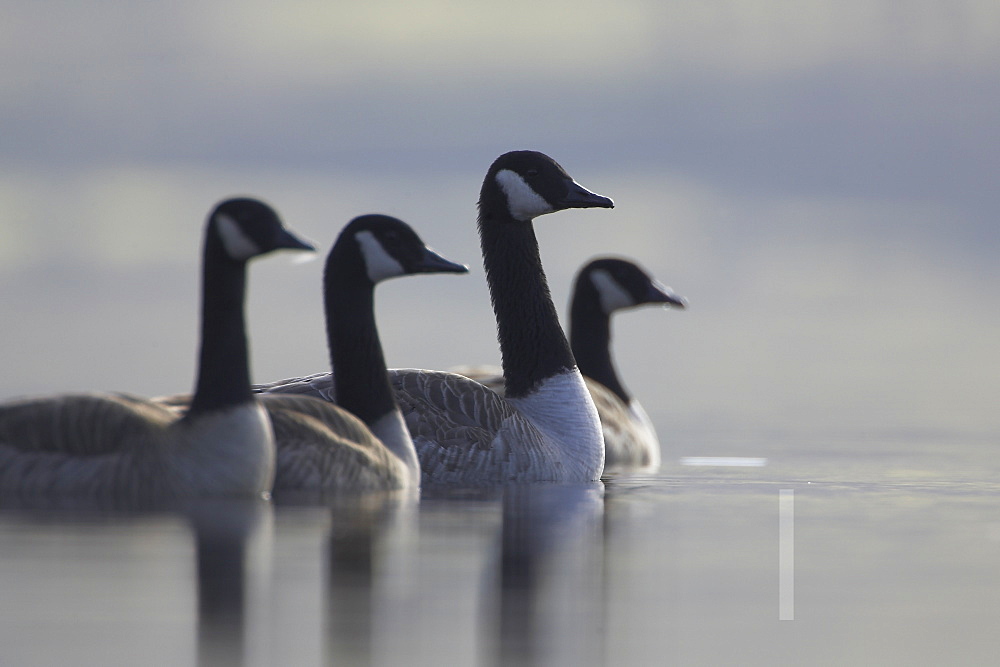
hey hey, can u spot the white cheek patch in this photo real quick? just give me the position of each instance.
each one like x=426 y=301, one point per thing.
x=379 y=263
x=613 y=296
x=522 y=201
x=238 y=245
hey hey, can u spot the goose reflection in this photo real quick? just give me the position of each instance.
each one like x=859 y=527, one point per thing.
x=232 y=538
x=549 y=593
x=359 y=542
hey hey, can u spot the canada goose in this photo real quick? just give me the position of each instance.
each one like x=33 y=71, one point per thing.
x=602 y=287
x=361 y=443
x=546 y=428
x=118 y=446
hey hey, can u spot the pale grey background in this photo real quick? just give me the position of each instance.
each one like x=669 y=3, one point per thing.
x=818 y=178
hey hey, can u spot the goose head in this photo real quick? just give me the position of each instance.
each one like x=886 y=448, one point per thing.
x=622 y=284
x=528 y=184
x=248 y=228
x=380 y=247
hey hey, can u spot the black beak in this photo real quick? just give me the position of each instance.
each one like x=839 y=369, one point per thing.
x=432 y=262
x=658 y=293
x=292 y=242
x=578 y=196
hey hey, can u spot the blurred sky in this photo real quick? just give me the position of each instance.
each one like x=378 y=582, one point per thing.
x=818 y=178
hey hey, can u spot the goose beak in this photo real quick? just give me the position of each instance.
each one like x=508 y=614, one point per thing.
x=285 y=239
x=659 y=293
x=432 y=262
x=578 y=196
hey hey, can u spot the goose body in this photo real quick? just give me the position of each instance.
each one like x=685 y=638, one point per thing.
x=359 y=442
x=115 y=445
x=324 y=450
x=602 y=287
x=546 y=427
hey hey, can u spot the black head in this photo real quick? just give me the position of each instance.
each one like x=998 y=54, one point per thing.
x=248 y=228
x=388 y=247
x=622 y=284
x=532 y=184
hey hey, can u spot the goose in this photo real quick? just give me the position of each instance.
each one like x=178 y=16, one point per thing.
x=546 y=428
x=360 y=443
x=603 y=286
x=123 y=447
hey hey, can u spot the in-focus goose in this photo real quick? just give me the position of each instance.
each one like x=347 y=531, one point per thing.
x=546 y=428
x=117 y=446
x=361 y=443
x=603 y=286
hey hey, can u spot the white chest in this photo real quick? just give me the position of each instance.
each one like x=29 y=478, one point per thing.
x=562 y=409
x=391 y=430
x=229 y=451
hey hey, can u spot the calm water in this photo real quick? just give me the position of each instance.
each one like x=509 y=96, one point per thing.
x=891 y=548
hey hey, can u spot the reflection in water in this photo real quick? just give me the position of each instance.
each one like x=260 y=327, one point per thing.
x=398 y=579
x=120 y=560
x=903 y=568
x=226 y=535
x=550 y=583
x=360 y=528
x=347 y=629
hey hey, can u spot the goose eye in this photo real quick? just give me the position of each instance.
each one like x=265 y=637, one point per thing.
x=531 y=172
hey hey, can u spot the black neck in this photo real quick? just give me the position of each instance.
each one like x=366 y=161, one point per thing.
x=224 y=365
x=590 y=336
x=359 y=372
x=532 y=344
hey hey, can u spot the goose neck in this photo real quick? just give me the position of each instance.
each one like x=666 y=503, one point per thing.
x=360 y=380
x=532 y=344
x=223 y=378
x=590 y=338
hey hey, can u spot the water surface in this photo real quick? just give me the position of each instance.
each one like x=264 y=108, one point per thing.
x=896 y=551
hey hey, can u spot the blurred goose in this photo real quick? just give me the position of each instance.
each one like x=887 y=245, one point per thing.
x=546 y=427
x=118 y=446
x=361 y=443
x=602 y=287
